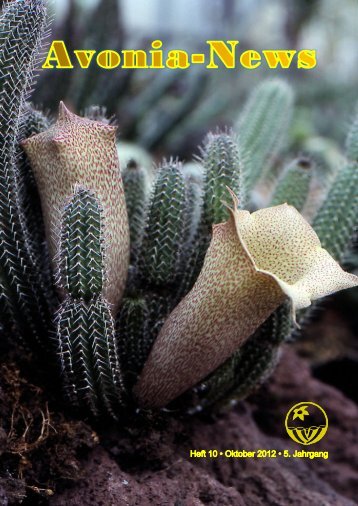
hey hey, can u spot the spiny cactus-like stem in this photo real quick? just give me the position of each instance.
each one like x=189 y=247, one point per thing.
x=105 y=358
x=159 y=307
x=293 y=185
x=82 y=246
x=222 y=169
x=136 y=190
x=9 y=312
x=160 y=250
x=337 y=218
x=75 y=354
x=140 y=320
x=193 y=210
x=33 y=122
x=193 y=265
x=196 y=241
x=133 y=337
x=262 y=127
x=85 y=328
x=22 y=27
x=352 y=140
x=90 y=366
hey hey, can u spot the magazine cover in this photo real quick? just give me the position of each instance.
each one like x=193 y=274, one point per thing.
x=178 y=252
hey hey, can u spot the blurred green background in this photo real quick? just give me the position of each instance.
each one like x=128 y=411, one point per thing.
x=167 y=111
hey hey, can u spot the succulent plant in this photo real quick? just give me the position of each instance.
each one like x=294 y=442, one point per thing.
x=136 y=189
x=22 y=28
x=195 y=309
x=262 y=127
x=293 y=184
x=159 y=257
x=336 y=220
x=267 y=256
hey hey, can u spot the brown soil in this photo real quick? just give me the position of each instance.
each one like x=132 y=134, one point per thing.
x=49 y=457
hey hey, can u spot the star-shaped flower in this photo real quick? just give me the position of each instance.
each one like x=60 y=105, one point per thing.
x=300 y=413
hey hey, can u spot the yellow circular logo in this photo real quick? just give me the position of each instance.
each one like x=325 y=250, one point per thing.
x=306 y=423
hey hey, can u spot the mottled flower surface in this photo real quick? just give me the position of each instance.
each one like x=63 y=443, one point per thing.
x=78 y=151
x=254 y=262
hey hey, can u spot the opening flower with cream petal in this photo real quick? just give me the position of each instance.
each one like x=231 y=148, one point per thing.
x=255 y=261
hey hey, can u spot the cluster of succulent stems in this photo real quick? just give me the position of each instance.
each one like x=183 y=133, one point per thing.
x=138 y=285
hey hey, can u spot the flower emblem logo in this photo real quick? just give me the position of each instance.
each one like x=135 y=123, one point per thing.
x=306 y=423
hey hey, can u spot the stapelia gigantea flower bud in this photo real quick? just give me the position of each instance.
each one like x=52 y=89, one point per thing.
x=78 y=151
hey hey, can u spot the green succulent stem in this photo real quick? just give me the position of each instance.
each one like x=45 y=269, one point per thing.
x=22 y=28
x=352 y=140
x=222 y=170
x=133 y=337
x=82 y=246
x=262 y=128
x=86 y=340
x=136 y=189
x=159 y=254
x=293 y=185
x=336 y=220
